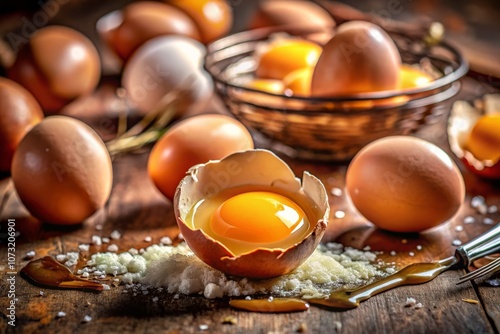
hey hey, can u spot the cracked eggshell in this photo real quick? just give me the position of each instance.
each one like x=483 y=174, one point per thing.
x=463 y=117
x=252 y=167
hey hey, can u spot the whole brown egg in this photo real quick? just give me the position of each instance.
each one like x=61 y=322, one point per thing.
x=57 y=65
x=214 y=18
x=405 y=184
x=141 y=21
x=19 y=112
x=192 y=141
x=359 y=58
x=62 y=171
x=301 y=14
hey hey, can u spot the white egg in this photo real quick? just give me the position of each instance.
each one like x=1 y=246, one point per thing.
x=162 y=65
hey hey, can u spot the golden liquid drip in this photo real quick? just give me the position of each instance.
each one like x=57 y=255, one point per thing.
x=50 y=273
x=416 y=273
x=276 y=305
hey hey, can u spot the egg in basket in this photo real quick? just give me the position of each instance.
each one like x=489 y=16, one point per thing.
x=324 y=94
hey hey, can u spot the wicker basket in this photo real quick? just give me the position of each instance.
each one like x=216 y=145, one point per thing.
x=331 y=129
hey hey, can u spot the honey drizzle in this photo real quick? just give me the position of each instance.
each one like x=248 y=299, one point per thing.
x=276 y=305
x=50 y=273
x=416 y=273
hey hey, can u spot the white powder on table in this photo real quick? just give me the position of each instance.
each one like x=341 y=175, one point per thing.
x=178 y=271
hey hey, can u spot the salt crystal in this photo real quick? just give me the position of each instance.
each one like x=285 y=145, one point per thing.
x=106 y=287
x=203 y=327
x=133 y=251
x=96 y=240
x=410 y=302
x=477 y=201
x=115 y=235
x=155 y=299
x=85 y=275
x=105 y=240
x=339 y=214
x=61 y=314
x=469 y=220
x=411 y=254
x=456 y=242
x=336 y=192
x=87 y=318
x=248 y=298
x=166 y=241
x=83 y=247
x=488 y=221
x=492 y=209
x=393 y=253
x=98 y=227
x=148 y=239
x=61 y=257
x=419 y=306
x=41 y=293
x=112 y=248
x=459 y=228
x=419 y=247
x=483 y=209
x=30 y=255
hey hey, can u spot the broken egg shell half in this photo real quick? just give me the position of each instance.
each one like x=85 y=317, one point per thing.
x=463 y=117
x=250 y=168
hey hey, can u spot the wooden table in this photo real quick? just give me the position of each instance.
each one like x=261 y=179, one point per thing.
x=137 y=210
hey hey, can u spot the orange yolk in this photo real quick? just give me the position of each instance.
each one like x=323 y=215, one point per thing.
x=298 y=82
x=266 y=85
x=484 y=139
x=412 y=77
x=284 y=56
x=257 y=217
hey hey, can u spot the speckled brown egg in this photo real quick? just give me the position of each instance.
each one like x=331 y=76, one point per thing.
x=141 y=21
x=405 y=184
x=359 y=58
x=62 y=171
x=19 y=112
x=57 y=65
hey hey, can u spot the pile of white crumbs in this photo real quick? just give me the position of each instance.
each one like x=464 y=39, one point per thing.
x=177 y=270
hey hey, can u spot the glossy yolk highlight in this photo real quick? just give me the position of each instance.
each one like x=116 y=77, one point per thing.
x=298 y=82
x=412 y=77
x=285 y=56
x=257 y=217
x=484 y=139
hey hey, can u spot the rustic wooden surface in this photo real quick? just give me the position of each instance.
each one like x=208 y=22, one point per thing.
x=137 y=209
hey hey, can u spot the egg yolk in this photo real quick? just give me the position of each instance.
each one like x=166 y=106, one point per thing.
x=412 y=77
x=266 y=85
x=484 y=139
x=285 y=56
x=257 y=217
x=298 y=82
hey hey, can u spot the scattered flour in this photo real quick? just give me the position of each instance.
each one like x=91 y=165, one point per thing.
x=178 y=271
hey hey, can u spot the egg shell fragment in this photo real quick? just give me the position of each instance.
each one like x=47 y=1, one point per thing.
x=404 y=184
x=253 y=167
